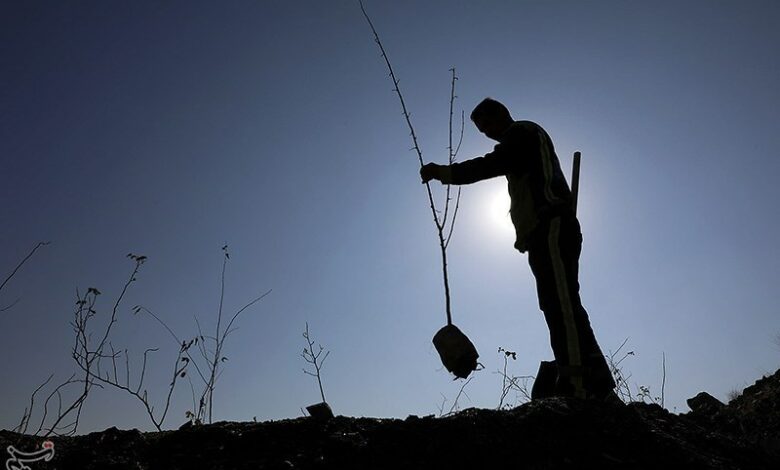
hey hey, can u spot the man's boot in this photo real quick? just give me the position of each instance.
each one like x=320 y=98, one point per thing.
x=544 y=385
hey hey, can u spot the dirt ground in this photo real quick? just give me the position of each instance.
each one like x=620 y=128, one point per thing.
x=543 y=434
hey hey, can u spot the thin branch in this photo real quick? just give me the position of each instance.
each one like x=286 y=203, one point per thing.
x=406 y=114
x=452 y=224
x=16 y=269
x=202 y=346
x=207 y=397
x=453 y=154
x=143 y=370
x=227 y=329
x=75 y=406
x=11 y=305
x=441 y=407
x=512 y=383
x=144 y=397
x=194 y=401
x=81 y=353
x=21 y=263
x=450 y=150
x=59 y=402
x=139 y=308
x=209 y=390
x=178 y=372
x=139 y=260
x=462 y=128
x=461 y=392
x=28 y=411
x=663 y=380
x=623 y=389
x=113 y=360
x=127 y=368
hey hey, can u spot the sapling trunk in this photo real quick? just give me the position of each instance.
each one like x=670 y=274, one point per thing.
x=455 y=349
x=441 y=225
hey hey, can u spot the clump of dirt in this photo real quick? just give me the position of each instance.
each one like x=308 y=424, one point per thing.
x=753 y=417
x=547 y=433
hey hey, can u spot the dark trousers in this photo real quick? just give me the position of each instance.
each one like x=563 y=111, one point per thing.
x=553 y=253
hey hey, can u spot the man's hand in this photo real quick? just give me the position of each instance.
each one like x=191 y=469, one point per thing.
x=431 y=171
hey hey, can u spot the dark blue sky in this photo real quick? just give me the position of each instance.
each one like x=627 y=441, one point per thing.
x=169 y=129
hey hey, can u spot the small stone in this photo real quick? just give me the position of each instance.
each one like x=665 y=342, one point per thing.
x=705 y=404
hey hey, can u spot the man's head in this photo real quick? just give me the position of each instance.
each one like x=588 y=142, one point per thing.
x=491 y=118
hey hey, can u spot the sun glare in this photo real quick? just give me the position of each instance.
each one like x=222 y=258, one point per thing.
x=499 y=210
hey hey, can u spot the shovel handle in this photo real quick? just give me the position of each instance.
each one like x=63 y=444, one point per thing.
x=575 y=180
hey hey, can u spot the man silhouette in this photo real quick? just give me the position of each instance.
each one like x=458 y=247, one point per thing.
x=548 y=230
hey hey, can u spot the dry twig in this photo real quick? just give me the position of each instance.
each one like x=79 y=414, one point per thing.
x=209 y=372
x=510 y=383
x=16 y=269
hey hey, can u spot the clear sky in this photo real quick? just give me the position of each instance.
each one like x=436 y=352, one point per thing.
x=168 y=129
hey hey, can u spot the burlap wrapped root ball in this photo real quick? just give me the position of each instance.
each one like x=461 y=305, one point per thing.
x=457 y=352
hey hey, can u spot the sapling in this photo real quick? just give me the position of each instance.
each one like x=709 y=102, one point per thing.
x=320 y=410
x=457 y=352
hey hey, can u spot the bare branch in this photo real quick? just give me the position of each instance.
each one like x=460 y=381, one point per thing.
x=178 y=372
x=113 y=359
x=663 y=381
x=22 y=427
x=207 y=397
x=139 y=260
x=143 y=370
x=138 y=308
x=16 y=269
x=11 y=305
x=512 y=382
x=87 y=359
x=452 y=224
x=56 y=391
x=406 y=114
x=441 y=407
x=455 y=402
x=622 y=386
x=227 y=330
x=460 y=139
x=449 y=148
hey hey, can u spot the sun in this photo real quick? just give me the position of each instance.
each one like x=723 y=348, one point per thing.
x=498 y=208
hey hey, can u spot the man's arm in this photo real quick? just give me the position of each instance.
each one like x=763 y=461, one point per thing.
x=502 y=160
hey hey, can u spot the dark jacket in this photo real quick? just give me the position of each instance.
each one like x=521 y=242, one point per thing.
x=537 y=186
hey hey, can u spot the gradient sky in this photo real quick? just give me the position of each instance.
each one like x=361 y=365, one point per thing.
x=168 y=129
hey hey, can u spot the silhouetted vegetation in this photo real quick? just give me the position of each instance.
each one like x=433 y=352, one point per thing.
x=623 y=387
x=101 y=365
x=512 y=383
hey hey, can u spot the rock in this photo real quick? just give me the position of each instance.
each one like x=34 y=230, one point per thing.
x=705 y=404
x=320 y=411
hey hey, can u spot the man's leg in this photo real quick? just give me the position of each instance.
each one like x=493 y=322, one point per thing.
x=554 y=258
